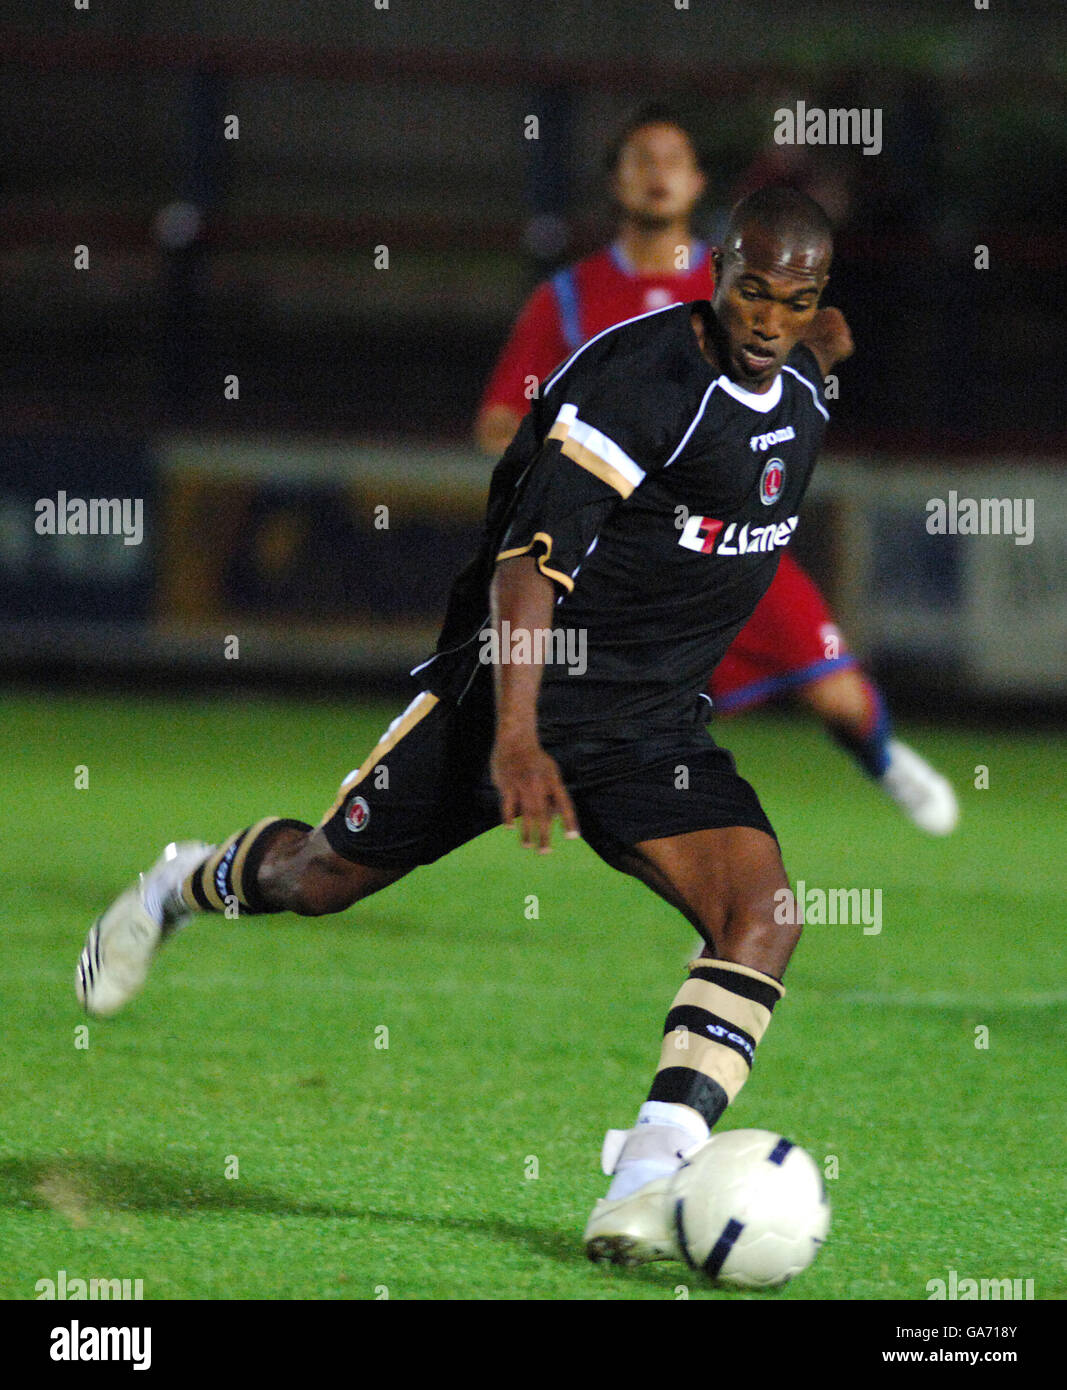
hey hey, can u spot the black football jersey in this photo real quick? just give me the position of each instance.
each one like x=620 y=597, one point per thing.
x=657 y=495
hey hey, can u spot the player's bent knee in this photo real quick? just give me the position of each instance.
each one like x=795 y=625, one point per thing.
x=763 y=935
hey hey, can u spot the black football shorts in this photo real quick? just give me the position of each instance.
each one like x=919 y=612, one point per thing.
x=425 y=790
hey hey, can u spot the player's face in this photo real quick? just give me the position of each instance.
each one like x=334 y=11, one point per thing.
x=657 y=180
x=767 y=293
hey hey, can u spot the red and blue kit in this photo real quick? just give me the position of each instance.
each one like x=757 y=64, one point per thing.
x=580 y=301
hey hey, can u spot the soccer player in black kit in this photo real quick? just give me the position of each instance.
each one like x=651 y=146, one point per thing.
x=636 y=520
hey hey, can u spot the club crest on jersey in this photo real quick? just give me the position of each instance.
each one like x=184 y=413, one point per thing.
x=710 y=536
x=357 y=815
x=771 y=480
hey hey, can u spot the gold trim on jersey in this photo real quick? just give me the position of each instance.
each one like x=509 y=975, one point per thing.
x=593 y=463
x=546 y=570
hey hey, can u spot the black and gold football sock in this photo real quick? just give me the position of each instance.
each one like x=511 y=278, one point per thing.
x=715 y=1024
x=227 y=877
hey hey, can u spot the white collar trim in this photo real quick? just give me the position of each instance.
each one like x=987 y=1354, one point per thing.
x=763 y=401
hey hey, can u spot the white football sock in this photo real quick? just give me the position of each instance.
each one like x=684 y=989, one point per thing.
x=654 y=1147
x=161 y=887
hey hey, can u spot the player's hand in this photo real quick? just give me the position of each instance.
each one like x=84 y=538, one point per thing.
x=531 y=789
x=830 y=338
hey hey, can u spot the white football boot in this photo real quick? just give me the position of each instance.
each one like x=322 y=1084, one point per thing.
x=114 y=964
x=639 y=1227
x=920 y=792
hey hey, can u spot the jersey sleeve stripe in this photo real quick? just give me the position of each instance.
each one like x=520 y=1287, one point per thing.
x=592 y=463
x=546 y=540
x=606 y=452
x=564 y=420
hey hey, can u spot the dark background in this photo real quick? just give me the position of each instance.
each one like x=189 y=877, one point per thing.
x=403 y=127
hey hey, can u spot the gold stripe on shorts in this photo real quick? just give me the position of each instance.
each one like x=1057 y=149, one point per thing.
x=419 y=708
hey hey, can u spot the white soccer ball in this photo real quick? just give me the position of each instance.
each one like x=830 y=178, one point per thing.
x=750 y=1209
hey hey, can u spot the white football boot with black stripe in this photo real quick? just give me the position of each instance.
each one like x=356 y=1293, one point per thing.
x=639 y=1227
x=113 y=965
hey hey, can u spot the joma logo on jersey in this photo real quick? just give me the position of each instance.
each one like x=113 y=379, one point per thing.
x=763 y=442
x=711 y=537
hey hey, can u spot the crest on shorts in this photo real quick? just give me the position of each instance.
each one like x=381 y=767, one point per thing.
x=771 y=481
x=357 y=815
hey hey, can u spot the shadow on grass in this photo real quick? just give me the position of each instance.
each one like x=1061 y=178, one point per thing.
x=85 y=1187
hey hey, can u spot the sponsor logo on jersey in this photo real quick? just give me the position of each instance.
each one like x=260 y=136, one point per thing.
x=771 y=480
x=357 y=815
x=760 y=443
x=712 y=537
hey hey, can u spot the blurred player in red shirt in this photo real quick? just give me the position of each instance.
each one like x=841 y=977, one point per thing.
x=791 y=643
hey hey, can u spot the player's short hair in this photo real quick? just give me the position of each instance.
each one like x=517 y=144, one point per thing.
x=784 y=211
x=650 y=113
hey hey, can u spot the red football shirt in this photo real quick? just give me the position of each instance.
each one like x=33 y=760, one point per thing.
x=579 y=301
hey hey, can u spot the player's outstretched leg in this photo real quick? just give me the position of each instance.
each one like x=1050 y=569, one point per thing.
x=854 y=712
x=727 y=882
x=274 y=866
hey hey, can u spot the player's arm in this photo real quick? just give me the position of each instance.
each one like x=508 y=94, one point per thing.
x=495 y=428
x=527 y=778
x=586 y=469
x=829 y=339
x=535 y=346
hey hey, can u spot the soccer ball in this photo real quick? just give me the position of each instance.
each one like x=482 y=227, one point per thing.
x=749 y=1208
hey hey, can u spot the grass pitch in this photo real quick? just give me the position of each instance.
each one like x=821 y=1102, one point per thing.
x=246 y=1129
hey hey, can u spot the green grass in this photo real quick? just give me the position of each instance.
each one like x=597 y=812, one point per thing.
x=510 y=1040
